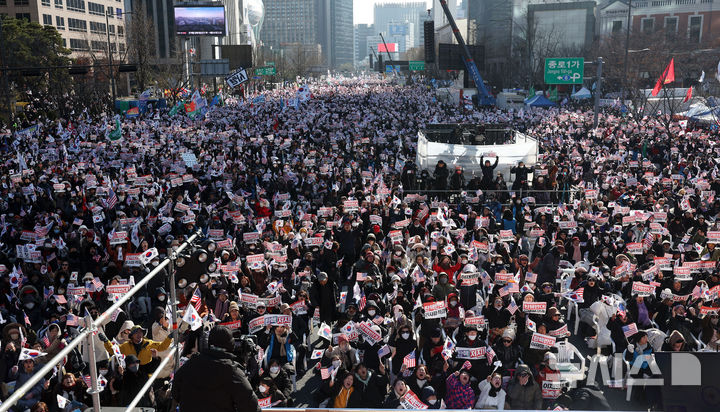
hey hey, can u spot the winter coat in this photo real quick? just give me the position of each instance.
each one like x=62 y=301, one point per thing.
x=528 y=396
x=485 y=387
x=372 y=393
x=213 y=381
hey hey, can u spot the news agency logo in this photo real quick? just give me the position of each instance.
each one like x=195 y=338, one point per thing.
x=685 y=370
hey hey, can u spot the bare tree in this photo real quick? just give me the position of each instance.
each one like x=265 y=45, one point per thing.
x=141 y=44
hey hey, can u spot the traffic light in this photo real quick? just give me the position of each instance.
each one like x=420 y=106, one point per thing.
x=429 y=27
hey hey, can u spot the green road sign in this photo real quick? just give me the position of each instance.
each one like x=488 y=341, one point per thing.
x=417 y=66
x=265 y=71
x=270 y=64
x=564 y=70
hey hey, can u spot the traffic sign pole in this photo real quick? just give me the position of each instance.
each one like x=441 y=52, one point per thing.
x=598 y=91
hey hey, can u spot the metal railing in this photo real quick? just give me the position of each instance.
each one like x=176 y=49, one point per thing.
x=153 y=377
x=92 y=329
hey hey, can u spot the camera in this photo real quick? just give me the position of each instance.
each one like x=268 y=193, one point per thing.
x=246 y=348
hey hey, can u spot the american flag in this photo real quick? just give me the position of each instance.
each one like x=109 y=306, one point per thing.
x=46 y=341
x=363 y=302
x=27 y=320
x=71 y=320
x=648 y=241
x=88 y=381
x=196 y=299
x=490 y=354
x=512 y=307
x=409 y=360
x=98 y=285
x=111 y=200
x=630 y=330
x=324 y=373
x=467 y=365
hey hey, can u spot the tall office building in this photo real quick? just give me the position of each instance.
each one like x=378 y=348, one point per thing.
x=362 y=32
x=341 y=43
x=327 y=23
x=401 y=12
x=82 y=25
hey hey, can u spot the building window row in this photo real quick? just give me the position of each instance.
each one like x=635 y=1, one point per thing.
x=47 y=19
x=96 y=9
x=77 y=25
x=60 y=22
x=76 y=5
x=79 y=45
x=97 y=28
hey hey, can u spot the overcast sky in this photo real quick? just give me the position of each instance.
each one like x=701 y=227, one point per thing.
x=363 y=9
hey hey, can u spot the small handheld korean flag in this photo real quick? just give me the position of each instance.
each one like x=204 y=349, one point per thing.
x=61 y=402
x=192 y=318
x=325 y=332
x=149 y=255
x=26 y=354
x=317 y=354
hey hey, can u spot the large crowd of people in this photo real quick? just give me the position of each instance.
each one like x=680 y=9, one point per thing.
x=342 y=265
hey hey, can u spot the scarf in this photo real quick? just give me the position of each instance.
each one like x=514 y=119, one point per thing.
x=493 y=391
x=365 y=381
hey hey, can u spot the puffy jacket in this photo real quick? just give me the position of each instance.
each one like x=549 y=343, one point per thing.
x=213 y=381
x=145 y=354
x=526 y=396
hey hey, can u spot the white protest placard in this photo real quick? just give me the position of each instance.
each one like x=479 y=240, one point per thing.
x=537 y=308
x=411 y=401
x=435 y=310
x=540 y=341
x=639 y=288
x=470 y=353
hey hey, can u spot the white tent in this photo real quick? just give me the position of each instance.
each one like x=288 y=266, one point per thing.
x=583 y=93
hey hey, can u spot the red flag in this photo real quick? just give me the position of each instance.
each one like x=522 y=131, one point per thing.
x=668 y=76
x=688 y=96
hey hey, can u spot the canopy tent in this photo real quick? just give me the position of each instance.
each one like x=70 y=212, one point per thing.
x=700 y=112
x=583 y=93
x=539 y=101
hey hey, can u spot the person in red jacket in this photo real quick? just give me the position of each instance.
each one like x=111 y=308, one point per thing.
x=445 y=265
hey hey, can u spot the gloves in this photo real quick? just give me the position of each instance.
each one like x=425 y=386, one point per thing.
x=631 y=348
x=102 y=337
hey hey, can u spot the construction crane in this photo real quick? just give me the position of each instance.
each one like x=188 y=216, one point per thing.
x=484 y=97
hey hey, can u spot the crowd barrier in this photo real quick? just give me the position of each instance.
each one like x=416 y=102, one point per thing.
x=88 y=333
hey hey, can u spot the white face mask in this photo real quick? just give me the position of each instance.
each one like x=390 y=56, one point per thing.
x=336 y=364
x=472 y=336
x=453 y=303
x=432 y=401
x=405 y=335
x=371 y=312
x=274 y=369
x=263 y=388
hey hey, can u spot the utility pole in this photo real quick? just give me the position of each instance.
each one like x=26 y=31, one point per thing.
x=598 y=91
x=627 y=47
x=110 y=55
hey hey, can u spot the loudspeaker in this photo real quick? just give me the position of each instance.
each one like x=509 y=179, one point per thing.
x=429 y=28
